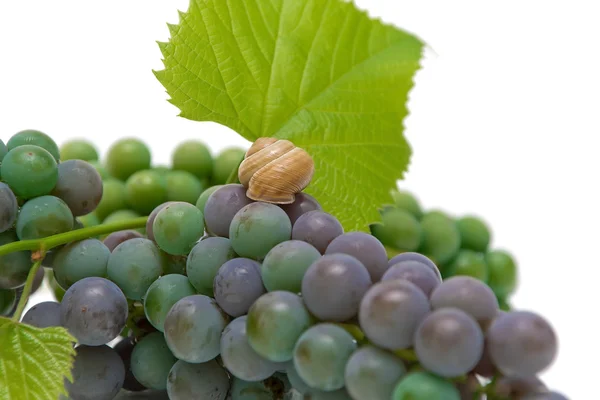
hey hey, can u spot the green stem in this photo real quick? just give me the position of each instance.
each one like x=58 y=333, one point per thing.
x=26 y=291
x=233 y=176
x=50 y=242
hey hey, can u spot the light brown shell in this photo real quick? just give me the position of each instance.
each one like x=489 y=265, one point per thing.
x=275 y=170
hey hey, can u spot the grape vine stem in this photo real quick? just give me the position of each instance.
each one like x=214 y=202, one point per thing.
x=26 y=291
x=47 y=243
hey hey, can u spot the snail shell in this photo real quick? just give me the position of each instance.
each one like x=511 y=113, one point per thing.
x=275 y=170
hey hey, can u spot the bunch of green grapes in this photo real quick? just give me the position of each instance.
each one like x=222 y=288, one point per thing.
x=458 y=246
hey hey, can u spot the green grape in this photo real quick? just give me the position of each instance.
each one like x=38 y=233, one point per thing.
x=56 y=289
x=100 y=168
x=201 y=202
x=469 y=263
x=162 y=294
x=425 y=386
x=285 y=265
x=123 y=215
x=30 y=171
x=8 y=299
x=204 y=261
x=177 y=228
x=151 y=361
x=257 y=228
x=162 y=169
x=126 y=157
x=502 y=272
x=15 y=266
x=35 y=138
x=113 y=198
x=144 y=190
x=134 y=265
x=88 y=220
x=474 y=233
x=227 y=161
x=504 y=305
x=174 y=264
x=3 y=150
x=78 y=260
x=42 y=217
x=275 y=322
x=183 y=186
x=78 y=149
x=194 y=157
x=406 y=201
x=399 y=229
x=441 y=239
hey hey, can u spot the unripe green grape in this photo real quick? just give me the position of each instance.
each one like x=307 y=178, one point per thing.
x=468 y=263
x=161 y=169
x=35 y=138
x=502 y=272
x=3 y=150
x=201 y=202
x=225 y=163
x=78 y=260
x=8 y=298
x=126 y=157
x=424 y=386
x=177 y=228
x=162 y=294
x=151 y=361
x=101 y=169
x=14 y=266
x=123 y=215
x=144 y=190
x=406 y=201
x=441 y=238
x=183 y=186
x=113 y=198
x=398 y=229
x=88 y=220
x=42 y=217
x=30 y=171
x=78 y=149
x=474 y=233
x=194 y=157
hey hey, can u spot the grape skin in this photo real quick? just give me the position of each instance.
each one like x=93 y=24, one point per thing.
x=373 y=373
x=162 y=294
x=8 y=300
x=416 y=272
x=275 y=322
x=42 y=217
x=151 y=361
x=411 y=256
x=333 y=287
x=521 y=343
x=398 y=229
x=193 y=157
x=134 y=265
x=237 y=286
x=145 y=190
x=366 y=248
x=124 y=348
x=449 y=342
x=203 y=198
x=474 y=233
x=78 y=260
x=94 y=310
x=545 y=396
x=79 y=185
x=30 y=171
x=204 y=261
x=221 y=207
x=193 y=329
x=441 y=239
x=285 y=265
x=239 y=357
x=276 y=387
x=178 y=227
x=303 y=203
x=467 y=294
x=116 y=238
x=152 y=217
x=34 y=137
x=78 y=149
x=183 y=186
x=98 y=373
x=425 y=386
x=15 y=266
x=317 y=228
x=390 y=313
x=8 y=208
x=113 y=198
x=43 y=315
x=126 y=156
x=468 y=263
x=197 y=381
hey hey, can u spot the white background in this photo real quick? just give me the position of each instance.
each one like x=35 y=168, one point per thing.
x=504 y=124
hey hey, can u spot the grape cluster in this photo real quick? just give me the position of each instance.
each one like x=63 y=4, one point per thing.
x=459 y=246
x=222 y=297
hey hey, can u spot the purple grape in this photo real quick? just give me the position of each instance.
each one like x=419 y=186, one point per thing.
x=467 y=294
x=43 y=315
x=8 y=208
x=237 y=285
x=411 y=256
x=544 y=396
x=390 y=313
x=301 y=205
x=124 y=349
x=416 y=272
x=221 y=207
x=333 y=287
x=116 y=238
x=317 y=228
x=79 y=185
x=521 y=343
x=516 y=387
x=449 y=342
x=366 y=248
x=98 y=373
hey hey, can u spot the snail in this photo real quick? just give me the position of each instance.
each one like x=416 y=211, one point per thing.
x=274 y=170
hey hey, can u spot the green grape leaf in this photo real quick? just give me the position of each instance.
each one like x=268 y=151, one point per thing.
x=320 y=73
x=34 y=362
